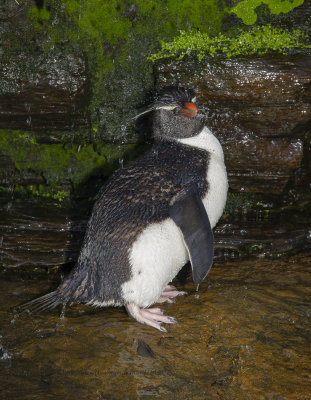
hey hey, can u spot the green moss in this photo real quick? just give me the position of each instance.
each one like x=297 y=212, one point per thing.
x=246 y=9
x=259 y=40
x=38 y=16
x=58 y=164
x=40 y=191
x=254 y=248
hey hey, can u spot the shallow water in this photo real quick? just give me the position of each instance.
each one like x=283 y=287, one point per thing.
x=245 y=335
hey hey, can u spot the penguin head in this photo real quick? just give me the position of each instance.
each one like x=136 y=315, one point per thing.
x=175 y=114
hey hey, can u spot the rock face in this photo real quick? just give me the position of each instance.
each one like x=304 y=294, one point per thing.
x=51 y=99
x=43 y=86
x=260 y=108
x=40 y=235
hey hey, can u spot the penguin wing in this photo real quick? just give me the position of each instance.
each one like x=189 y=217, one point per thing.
x=189 y=214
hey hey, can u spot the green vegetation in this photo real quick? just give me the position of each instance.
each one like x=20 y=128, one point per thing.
x=59 y=195
x=38 y=16
x=246 y=9
x=40 y=191
x=58 y=164
x=259 y=40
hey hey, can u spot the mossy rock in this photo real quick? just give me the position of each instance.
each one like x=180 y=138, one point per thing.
x=257 y=41
x=61 y=166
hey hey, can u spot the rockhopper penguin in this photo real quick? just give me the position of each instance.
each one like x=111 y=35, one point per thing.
x=151 y=217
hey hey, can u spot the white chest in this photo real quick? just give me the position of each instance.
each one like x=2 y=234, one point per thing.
x=216 y=197
x=216 y=175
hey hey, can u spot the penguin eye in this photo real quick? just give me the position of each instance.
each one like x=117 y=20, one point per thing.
x=176 y=111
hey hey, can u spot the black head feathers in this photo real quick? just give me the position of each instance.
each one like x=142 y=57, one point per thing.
x=173 y=96
x=169 y=98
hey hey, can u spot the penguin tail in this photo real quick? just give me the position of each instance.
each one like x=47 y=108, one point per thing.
x=43 y=303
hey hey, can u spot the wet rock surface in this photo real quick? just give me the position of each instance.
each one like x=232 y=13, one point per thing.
x=260 y=108
x=43 y=88
x=244 y=335
x=40 y=234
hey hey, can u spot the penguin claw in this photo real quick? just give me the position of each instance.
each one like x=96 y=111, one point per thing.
x=150 y=316
x=169 y=293
x=169 y=288
x=163 y=299
x=154 y=310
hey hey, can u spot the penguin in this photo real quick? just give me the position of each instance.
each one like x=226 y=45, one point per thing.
x=150 y=218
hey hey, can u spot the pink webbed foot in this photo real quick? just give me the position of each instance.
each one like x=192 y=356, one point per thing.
x=169 y=293
x=150 y=316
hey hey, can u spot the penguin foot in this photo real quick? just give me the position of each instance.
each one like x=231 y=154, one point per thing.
x=169 y=293
x=150 y=316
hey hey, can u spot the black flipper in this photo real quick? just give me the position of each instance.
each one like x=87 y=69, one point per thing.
x=189 y=214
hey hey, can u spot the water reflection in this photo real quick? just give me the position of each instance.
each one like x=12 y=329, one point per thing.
x=245 y=335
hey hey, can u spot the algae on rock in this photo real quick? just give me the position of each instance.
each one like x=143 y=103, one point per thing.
x=71 y=165
x=257 y=41
x=246 y=9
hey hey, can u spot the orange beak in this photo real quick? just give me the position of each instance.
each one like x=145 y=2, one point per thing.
x=189 y=109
